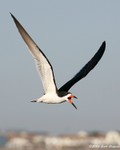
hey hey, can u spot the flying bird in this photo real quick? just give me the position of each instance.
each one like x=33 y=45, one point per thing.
x=53 y=95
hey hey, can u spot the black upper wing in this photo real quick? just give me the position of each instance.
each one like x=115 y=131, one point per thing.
x=86 y=69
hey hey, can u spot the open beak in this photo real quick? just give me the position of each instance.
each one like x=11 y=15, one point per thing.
x=74 y=105
x=75 y=97
x=71 y=102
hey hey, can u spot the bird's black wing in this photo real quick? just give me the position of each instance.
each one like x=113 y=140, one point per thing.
x=86 y=69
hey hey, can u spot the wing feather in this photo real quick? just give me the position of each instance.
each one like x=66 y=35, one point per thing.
x=43 y=65
x=86 y=69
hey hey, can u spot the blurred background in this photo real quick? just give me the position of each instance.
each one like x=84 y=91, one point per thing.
x=69 y=33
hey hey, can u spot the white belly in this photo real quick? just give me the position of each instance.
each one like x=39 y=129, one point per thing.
x=51 y=98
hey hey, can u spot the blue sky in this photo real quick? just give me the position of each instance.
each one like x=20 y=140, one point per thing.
x=69 y=33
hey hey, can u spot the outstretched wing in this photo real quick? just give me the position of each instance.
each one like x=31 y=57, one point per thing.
x=86 y=69
x=44 y=67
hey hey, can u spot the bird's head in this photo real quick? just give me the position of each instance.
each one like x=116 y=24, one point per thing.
x=67 y=96
x=69 y=99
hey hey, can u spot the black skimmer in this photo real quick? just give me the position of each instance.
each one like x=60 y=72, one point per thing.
x=53 y=95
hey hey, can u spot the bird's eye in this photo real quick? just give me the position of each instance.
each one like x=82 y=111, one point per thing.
x=69 y=97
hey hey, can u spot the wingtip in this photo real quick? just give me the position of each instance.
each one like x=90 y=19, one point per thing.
x=12 y=16
x=15 y=20
x=104 y=43
x=103 y=46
